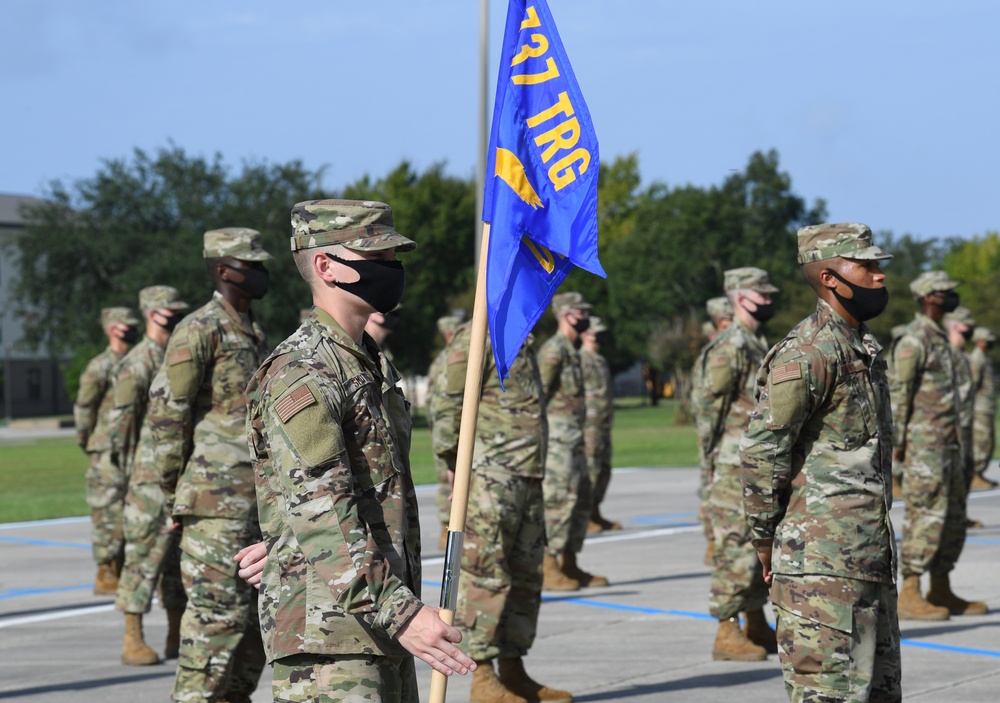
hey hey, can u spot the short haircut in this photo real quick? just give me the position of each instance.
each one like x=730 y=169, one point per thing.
x=304 y=257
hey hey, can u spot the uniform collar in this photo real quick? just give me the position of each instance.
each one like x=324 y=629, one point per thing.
x=861 y=339
x=370 y=355
x=937 y=327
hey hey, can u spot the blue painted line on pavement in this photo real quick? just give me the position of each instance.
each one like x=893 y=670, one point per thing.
x=22 y=592
x=45 y=542
x=666 y=518
x=950 y=648
x=981 y=540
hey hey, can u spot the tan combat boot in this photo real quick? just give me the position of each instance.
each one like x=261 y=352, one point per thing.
x=940 y=594
x=553 y=579
x=981 y=483
x=710 y=553
x=172 y=646
x=136 y=652
x=586 y=580
x=487 y=688
x=759 y=631
x=106 y=582
x=897 y=488
x=443 y=538
x=732 y=645
x=912 y=606
x=603 y=522
x=515 y=678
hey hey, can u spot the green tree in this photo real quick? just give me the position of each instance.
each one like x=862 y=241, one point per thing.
x=976 y=264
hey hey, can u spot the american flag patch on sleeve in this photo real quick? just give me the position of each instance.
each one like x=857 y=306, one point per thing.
x=297 y=400
x=178 y=356
x=788 y=372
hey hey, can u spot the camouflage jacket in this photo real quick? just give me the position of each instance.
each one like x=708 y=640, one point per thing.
x=329 y=433
x=965 y=388
x=444 y=428
x=511 y=432
x=599 y=401
x=562 y=388
x=924 y=394
x=130 y=394
x=199 y=423
x=94 y=402
x=816 y=458
x=984 y=383
x=146 y=458
x=727 y=374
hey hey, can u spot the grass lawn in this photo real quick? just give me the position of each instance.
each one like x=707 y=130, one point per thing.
x=45 y=478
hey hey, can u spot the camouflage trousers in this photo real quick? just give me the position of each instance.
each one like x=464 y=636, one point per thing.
x=704 y=508
x=934 y=522
x=106 y=486
x=221 y=652
x=737 y=575
x=567 y=495
x=152 y=553
x=597 y=448
x=500 y=590
x=838 y=639
x=305 y=678
x=983 y=442
x=443 y=497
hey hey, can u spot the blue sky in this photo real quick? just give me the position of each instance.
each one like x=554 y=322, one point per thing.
x=886 y=109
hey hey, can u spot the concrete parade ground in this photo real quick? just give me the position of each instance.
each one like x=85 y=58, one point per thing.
x=645 y=638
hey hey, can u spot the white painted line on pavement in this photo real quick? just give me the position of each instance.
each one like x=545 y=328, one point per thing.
x=43 y=523
x=42 y=617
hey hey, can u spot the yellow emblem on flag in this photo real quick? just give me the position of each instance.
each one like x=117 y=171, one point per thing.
x=511 y=171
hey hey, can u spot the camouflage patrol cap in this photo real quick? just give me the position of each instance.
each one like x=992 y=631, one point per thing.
x=118 y=316
x=240 y=243
x=153 y=297
x=897 y=331
x=362 y=225
x=448 y=324
x=569 y=301
x=850 y=240
x=597 y=325
x=983 y=334
x=931 y=282
x=719 y=308
x=961 y=314
x=747 y=278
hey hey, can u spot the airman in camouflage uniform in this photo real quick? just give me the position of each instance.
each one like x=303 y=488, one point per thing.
x=145 y=518
x=600 y=404
x=106 y=481
x=720 y=314
x=442 y=428
x=500 y=590
x=926 y=415
x=816 y=470
x=329 y=433
x=567 y=485
x=198 y=430
x=984 y=407
x=728 y=366
x=959 y=326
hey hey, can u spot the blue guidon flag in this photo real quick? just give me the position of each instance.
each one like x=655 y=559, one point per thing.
x=541 y=179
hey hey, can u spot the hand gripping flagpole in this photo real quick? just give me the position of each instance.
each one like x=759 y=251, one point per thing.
x=463 y=461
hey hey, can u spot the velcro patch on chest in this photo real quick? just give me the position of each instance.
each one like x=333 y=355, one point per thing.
x=357 y=383
x=296 y=401
x=787 y=372
x=178 y=356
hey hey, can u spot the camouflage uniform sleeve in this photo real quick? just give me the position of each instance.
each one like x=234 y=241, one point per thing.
x=324 y=499
x=908 y=358
x=188 y=358
x=122 y=428
x=550 y=363
x=717 y=385
x=789 y=388
x=93 y=386
x=451 y=399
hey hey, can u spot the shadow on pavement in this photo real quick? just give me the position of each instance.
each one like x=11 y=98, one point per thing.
x=736 y=678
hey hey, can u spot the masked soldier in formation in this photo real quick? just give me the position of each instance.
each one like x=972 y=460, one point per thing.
x=567 y=484
x=926 y=414
x=197 y=427
x=816 y=470
x=442 y=428
x=728 y=367
x=984 y=407
x=329 y=432
x=106 y=481
x=145 y=519
x=500 y=590
x=600 y=405
x=720 y=315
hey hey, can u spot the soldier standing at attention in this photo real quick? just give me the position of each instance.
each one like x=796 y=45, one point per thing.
x=925 y=398
x=816 y=468
x=443 y=429
x=728 y=367
x=566 y=485
x=161 y=306
x=600 y=405
x=198 y=428
x=106 y=482
x=720 y=315
x=984 y=407
x=329 y=433
x=500 y=590
x=959 y=326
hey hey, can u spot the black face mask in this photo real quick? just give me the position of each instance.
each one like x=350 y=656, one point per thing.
x=131 y=335
x=866 y=303
x=171 y=321
x=968 y=333
x=949 y=301
x=380 y=283
x=254 y=282
x=763 y=313
x=582 y=325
